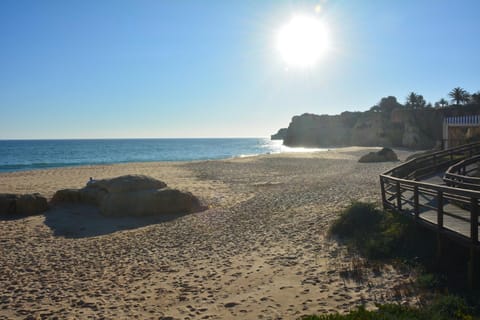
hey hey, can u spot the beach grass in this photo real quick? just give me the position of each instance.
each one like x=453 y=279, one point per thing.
x=447 y=307
x=378 y=234
x=386 y=236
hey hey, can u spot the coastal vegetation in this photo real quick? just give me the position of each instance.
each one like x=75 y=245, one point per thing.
x=383 y=236
x=378 y=234
x=415 y=100
x=444 y=308
x=459 y=96
x=414 y=124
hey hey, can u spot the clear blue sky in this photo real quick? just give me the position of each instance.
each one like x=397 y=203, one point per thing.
x=106 y=69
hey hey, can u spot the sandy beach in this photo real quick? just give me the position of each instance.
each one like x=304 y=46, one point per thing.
x=260 y=250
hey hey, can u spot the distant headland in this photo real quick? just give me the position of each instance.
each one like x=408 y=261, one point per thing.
x=415 y=124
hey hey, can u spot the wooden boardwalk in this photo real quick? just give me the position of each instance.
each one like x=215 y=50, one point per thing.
x=455 y=218
x=417 y=188
x=441 y=191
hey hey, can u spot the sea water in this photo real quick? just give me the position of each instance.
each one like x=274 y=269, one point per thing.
x=19 y=155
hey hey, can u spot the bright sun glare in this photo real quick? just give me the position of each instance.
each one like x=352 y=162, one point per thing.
x=302 y=42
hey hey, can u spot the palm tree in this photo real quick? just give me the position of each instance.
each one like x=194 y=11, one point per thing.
x=476 y=97
x=459 y=95
x=415 y=100
x=442 y=103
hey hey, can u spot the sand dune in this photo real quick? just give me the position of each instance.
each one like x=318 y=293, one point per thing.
x=259 y=252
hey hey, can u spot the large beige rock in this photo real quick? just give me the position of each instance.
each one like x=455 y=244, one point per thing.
x=131 y=195
x=26 y=204
x=127 y=183
x=8 y=203
x=149 y=202
x=66 y=195
x=31 y=204
x=95 y=191
x=92 y=196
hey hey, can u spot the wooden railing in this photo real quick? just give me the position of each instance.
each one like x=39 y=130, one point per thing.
x=459 y=174
x=402 y=192
x=431 y=163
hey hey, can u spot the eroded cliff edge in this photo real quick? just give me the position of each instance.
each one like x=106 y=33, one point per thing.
x=393 y=126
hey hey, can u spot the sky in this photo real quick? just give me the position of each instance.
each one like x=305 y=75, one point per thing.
x=175 y=69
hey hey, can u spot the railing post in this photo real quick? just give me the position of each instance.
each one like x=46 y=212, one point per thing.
x=472 y=268
x=416 y=209
x=474 y=220
x=440 y=209
x=399 y=197
x=440 y=226
x=384 y=198
x=473 y=263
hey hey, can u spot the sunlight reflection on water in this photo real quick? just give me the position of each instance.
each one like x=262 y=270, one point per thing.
x=276 y=146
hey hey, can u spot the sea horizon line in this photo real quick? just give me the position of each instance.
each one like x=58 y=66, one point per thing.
x=140 y=138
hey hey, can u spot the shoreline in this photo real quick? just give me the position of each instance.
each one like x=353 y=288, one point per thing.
x=259 y=251
x=24 y=155
x=100 y=171
x=241 y=156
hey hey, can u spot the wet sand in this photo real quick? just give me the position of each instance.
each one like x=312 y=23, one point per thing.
x=260 y=251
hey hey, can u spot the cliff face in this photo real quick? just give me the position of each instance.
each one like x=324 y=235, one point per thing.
x=349 y=128
x=400 y=127
x=280 y=135
x=309 y=130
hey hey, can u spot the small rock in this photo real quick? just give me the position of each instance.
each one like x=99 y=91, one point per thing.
x=231 y=304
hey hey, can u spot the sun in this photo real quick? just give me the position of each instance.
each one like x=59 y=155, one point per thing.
x=302 y=41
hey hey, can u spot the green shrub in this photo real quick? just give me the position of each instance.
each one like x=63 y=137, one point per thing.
x=384 y=312
x=356 y=221
x=378 y=234
x=444 y=308
x=427 y=281
x=449 y=307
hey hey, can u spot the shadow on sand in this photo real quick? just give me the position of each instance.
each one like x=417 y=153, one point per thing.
x=13 y=217
x=82 y=221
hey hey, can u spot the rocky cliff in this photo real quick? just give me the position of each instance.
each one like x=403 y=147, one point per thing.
x=390 y=127
x=280 y=135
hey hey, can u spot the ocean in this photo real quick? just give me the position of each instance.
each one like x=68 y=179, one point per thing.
x=21 y=155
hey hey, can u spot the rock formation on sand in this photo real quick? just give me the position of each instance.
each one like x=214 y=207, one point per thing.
x=384 y=155
x=132 y=195
x=28 y=204
x=127 y=183
x=149 y=202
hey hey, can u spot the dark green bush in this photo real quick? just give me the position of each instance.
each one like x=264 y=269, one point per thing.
x=444 y=308
x=427 y=281
x=358 y=220
x=450 y=307
x=378 y=234
x=384 y=312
